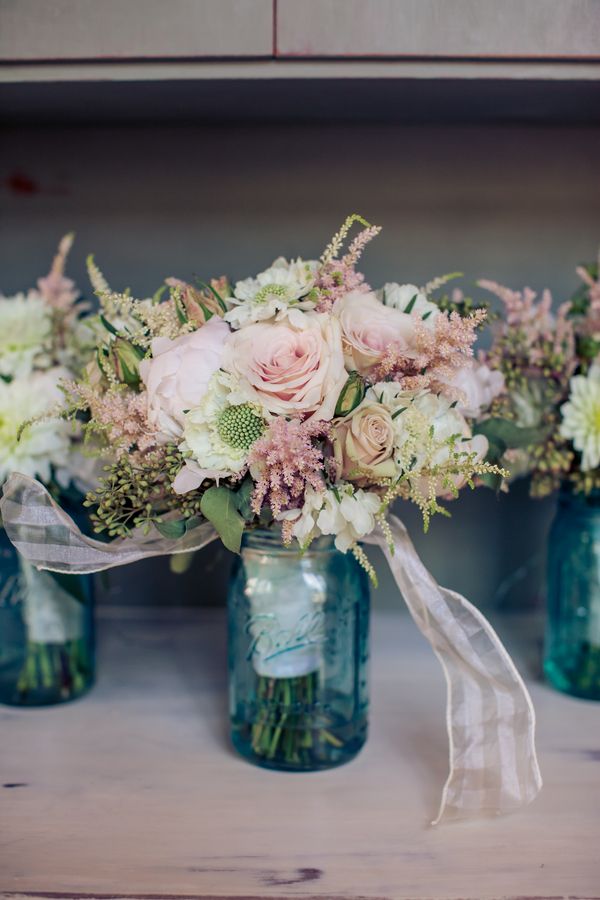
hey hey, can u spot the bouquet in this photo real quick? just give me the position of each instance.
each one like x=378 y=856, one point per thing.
x=298 y=398
x=42 y=342
x=304 y=401
x=546 y=421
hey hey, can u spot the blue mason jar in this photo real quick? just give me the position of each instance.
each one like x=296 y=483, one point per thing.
x=46 y=632
x=572 y=651
x=298 y=654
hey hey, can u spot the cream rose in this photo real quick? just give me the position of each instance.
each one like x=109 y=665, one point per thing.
x=364 y=444
x=177 y=375
x=289 y=368
x=369 y=328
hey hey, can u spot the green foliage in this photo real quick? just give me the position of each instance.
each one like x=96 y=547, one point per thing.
x=220 y=506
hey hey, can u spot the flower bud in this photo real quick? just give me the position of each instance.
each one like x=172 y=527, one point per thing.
x=351 y=395
x=126 y=358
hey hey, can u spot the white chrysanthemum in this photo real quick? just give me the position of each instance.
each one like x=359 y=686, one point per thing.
x=218 y=433
x=25 y=334
x=282 y=285
x=581 y=417
x=408 y=298
x=346 y=512
x=43 y=444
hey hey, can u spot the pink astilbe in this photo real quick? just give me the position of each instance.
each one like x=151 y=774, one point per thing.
x=532 y=334
x=337 y=277
x=121 y=415
x=286 y=460
x=57 y=290
x=440 y=351
x=591 y=322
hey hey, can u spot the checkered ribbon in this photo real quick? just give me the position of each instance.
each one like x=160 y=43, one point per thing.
x=490 y=717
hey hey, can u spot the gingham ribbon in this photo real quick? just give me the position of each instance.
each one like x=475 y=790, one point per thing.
x=490 y=717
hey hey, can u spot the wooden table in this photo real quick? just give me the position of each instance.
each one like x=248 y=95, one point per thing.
x=134 y=790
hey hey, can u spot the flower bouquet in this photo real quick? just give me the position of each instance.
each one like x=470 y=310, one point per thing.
x=293 y=408
x=44 y=654
x=546 y=424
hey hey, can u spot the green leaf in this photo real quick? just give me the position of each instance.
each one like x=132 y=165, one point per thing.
x=207 y=312
x=172 y=529
x=108 y=325
x=156 y=296
x=409 y=306
x=243 y=497
x=219 y=506
x=217 y=296
x=491 y=480
x=507 y=434
x=181 y=314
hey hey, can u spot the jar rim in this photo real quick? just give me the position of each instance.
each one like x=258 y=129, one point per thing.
x=270 y=538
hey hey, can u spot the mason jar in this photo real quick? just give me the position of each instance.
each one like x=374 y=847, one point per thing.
x=298 y=654
x=572 y=647
x=46 y=632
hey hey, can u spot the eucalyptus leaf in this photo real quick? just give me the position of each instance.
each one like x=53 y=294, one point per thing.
x=172 y=529
x=243 y=498
x=219 y=506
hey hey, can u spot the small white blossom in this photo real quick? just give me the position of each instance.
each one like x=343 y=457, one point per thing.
x=345 y=512
x=349 y=514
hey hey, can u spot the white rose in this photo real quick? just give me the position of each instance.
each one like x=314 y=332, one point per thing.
x=177 y=375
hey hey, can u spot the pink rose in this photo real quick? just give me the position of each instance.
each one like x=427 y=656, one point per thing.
x=177 y=375
x=369 y=328
x=290 y=368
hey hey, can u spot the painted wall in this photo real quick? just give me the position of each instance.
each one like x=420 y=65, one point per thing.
x=515 y=203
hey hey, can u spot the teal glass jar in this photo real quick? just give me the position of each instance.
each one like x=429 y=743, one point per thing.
x=572 y=649
x=46 y=632
x=298 y=654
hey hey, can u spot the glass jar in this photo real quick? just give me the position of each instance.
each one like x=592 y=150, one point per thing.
x=46 y=632
x=298 y=654
x=572 y=651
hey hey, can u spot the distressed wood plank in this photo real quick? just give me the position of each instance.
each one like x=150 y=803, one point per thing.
x=134 y=29
x=134 y=791
x=437 y=28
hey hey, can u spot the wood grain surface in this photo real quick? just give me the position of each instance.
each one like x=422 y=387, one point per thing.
x=135 y=792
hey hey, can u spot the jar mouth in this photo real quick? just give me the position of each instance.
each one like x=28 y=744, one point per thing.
x=270 y=540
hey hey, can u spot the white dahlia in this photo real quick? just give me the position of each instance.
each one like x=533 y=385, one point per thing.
x=42 y=444
x=581 y=417
x=25 y=334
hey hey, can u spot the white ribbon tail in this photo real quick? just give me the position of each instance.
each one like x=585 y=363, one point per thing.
x=45 y=535
x=489 y=713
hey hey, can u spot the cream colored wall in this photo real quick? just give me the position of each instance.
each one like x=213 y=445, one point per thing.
x=515 y=203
